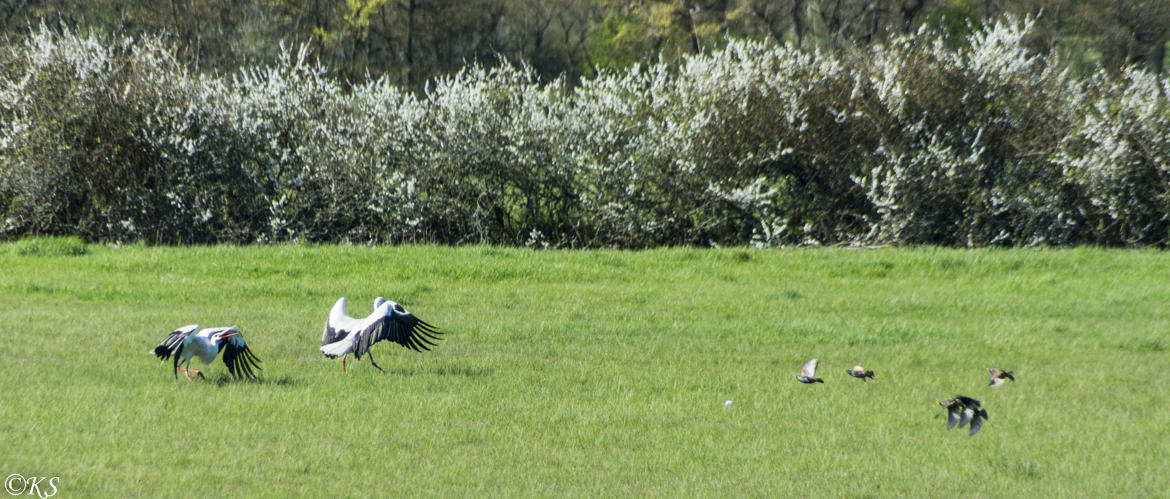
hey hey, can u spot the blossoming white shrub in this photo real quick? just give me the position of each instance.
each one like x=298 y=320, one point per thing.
x=966 y=142
x=922 y=140
x=1118 y=154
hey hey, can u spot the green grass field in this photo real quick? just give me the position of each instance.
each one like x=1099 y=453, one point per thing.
x=592 y=373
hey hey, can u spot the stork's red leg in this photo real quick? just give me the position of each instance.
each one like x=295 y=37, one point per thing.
x=188 y=376
x=343 y=363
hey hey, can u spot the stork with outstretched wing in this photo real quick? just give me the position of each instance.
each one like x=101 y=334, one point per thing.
x=185 y=343
x=389 y=321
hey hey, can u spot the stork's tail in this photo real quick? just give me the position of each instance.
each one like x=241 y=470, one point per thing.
x=335 y=350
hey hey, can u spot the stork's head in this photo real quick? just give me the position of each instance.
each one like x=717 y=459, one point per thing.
x=226 y=333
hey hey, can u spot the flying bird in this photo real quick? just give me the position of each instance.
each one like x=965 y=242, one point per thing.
x=185 y=343
x=389 y=321
x=998 y=377
x=808 y=372
x=860 y=372
x=963 y=410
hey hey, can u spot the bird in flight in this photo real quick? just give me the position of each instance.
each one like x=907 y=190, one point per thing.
x=860 y=372
x=389 y=321
x=185 y=343
x=808 y=372
x=998 y=377
x=963 y=410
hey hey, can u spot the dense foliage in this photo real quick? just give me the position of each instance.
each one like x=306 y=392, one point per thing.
x=923 y=139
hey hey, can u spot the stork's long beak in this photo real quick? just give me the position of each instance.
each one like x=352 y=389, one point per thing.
x=231 y=331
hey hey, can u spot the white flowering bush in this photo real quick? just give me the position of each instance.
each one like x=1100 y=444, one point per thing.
x=55 y=99
x=924 y=140
x=489 y=162
x=1117 y=153
x=118 y=143
x=730 y=148
x=966 y=150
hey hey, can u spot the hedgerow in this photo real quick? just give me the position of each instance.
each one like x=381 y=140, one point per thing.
x=922 y=140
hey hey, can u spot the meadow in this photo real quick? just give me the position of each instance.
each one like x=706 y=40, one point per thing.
x=591 y=373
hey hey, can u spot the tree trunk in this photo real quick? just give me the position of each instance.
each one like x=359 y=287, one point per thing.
x=686 y=19
x=798 y=21
x=1156 y=62
x=410 y=10
x=910 y=10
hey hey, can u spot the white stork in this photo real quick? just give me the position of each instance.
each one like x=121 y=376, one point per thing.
x=186 y=343
x=389 y=321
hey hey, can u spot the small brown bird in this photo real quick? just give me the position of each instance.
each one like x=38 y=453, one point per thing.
x=998 y=376
x=808 y=372
x=860 y=372
x=963 y=410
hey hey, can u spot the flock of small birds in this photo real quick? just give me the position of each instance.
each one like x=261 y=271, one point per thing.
x=961 y=410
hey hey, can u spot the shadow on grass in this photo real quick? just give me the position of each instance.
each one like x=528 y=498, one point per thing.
x=225 y=379
x=461 y=371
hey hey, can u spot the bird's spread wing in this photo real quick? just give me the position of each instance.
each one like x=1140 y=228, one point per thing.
x=333 y=334
x=810 y=368
x=401 y=327
x=405 y=329
x=172 y=345
x=966 y=416
x=238 y=357
x=333 y=330
x=976 y=424
x=953 y=416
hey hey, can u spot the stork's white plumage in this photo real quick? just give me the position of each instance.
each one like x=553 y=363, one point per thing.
x=185 y=343
x=344 y=335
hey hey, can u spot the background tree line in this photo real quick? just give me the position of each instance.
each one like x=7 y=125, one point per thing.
x=411 y=41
